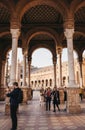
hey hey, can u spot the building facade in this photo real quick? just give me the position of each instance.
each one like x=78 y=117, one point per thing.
x=44 y=77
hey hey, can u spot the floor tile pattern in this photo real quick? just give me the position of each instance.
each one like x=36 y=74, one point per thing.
x=32 y=116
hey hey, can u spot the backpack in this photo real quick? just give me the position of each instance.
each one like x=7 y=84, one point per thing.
x=20 y=96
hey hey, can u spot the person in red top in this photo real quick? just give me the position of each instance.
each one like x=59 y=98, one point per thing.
x=48 y=98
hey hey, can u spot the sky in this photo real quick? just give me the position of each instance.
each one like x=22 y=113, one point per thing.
x=41 y=57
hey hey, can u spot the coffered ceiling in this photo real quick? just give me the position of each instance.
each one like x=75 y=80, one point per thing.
x=42 y=15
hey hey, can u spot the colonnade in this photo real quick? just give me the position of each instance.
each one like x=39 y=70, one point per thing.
x=69 y=36
x=37 y=84
x=69 y=31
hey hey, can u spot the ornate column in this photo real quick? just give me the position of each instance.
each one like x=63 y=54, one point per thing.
x=73 y=102
x=24 y=70
x=59 y=54
x=15 y=35
x=54 y=63
x=69 y=37
x=18 y=73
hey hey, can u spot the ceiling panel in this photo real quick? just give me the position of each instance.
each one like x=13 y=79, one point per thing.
x=4 y=15
x=80 y=16
x=42 y=14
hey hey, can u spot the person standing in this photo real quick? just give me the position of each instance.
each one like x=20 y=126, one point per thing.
x=48 y=98
x=14 y=104
x=56 y=99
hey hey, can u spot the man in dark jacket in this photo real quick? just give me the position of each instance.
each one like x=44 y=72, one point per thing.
x=56 y=99
x=14 y=104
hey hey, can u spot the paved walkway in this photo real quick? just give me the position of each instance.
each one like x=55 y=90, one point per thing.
x=34 y=117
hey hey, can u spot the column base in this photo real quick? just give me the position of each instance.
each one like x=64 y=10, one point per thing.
x=74 y=109
x=73 y=101
x=25 y=94
x=30 y=94
x=61 y=92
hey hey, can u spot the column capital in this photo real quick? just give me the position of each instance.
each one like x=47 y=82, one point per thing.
x=69 y=33
x=15 y=33
x=24 y=51
x=59 y=49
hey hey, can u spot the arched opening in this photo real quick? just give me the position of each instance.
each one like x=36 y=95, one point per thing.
x=41 y=60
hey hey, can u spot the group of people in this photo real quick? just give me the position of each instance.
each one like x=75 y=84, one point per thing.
x=47 y=94
x=52 y=95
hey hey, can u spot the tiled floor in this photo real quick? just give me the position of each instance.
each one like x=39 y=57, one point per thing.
x=34 y=117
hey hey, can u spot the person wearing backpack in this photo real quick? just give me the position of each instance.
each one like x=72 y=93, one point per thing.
x=14 y=94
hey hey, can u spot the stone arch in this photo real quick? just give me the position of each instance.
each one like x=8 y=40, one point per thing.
x=23 y=6
x=8 y=5
x=77 y=5
x=83 y=34
x=4 y=33
x=41 y=30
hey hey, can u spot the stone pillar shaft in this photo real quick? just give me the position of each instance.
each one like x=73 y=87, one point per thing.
x=54 y=63
x=15 y=34
x=59 y=66
x=24 y=70
x=81 y=81
x=69 y=37
x=29 y=69
x=3 y=73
